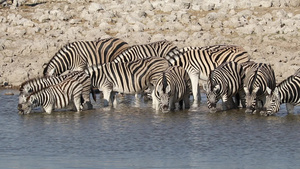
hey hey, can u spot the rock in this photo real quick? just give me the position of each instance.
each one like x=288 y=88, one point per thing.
x=95 y=7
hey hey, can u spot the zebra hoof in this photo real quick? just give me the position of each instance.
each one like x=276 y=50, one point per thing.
x=213 y=110
x=248 y=111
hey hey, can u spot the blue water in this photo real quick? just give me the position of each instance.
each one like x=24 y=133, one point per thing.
x=134 y=136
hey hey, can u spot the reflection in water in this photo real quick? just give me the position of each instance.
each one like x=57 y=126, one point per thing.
x=133 y=135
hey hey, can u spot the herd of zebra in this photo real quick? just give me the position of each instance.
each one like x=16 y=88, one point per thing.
x=171 y=74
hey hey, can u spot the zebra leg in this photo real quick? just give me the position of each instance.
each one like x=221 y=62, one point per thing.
x=155 y=102
x=195 y=87
x=107 y=97
x=172 y=104
x=77 y=103
x=290 y=108
x=48 y=108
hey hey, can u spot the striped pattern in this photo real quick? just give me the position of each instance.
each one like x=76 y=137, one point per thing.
x=56 y=96
x=224 y=83
x=288 y=91
x=199 y=62
x=259 y=77
x=78 y=55
x=157 y=49
x=173 y=85
x=37 y=84
x=128 y=78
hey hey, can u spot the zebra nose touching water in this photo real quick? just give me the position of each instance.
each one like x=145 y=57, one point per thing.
x=287 y=91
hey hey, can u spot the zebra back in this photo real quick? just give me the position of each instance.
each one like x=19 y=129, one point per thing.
x=157 y=49
x=80 y=54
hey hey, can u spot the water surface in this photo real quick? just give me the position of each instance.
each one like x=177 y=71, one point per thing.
x=132 y=136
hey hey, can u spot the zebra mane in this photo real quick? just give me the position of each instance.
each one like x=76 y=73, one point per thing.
x=31 y=80
x=255 y=76
x=164 y=82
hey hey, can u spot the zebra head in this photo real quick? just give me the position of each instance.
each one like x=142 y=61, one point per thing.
x=212 y=94
x=24 y=92
x=163 y=93
x=28 y=105
x=250 y=99
x=272 y=104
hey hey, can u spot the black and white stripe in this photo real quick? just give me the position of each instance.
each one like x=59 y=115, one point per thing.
x=173 y=86
x=259 y=77
x=78 y=55
x=157 y=49
x=128 y=78
x=225 y=82
x=55 y=96
x=199 y=62
x=37 y=84
x=288 y=91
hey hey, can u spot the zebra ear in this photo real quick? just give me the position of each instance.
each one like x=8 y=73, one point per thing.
x=246 y=90
x=216 y=88
x=168 y=89
x=52 y=72
x=205 y=87
x=276 y=92
x=269 y=91
x=255 y=90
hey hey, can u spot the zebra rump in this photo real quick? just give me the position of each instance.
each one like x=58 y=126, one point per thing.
x=55 y=96
x=287 y=91
x=259 y=78
x=76 y=56
x=224 y=83
x=128 y=78
x=200 y=61
x=173 y=85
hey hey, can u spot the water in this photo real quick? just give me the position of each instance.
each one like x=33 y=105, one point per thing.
x=132 y=136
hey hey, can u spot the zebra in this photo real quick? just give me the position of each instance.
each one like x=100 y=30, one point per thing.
x=172 y=86
x=224 y=83
x=36 y=84
x=258 y=78
x=158 y=49
x=55 y=96
x=128 y=78
x=198 y=62
x=287 y=91
x=77 y=56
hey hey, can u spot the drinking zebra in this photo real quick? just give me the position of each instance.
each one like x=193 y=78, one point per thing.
x=158 y=49
x=198 y=62
x=78 y=55
x=259 y=77
x=288 y=91
x=128 y=78
x=225 y=82
x=173 y=85
x=56 y=96
x=37 y=84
